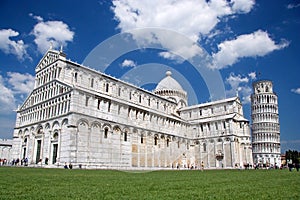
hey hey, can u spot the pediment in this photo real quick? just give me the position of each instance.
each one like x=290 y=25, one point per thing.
x=31 y=99
x=50 y=57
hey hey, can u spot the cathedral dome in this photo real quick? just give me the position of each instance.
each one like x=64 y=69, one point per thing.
x=171 y=90
x=168 y=83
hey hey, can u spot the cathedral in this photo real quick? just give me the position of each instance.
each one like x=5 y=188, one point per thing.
x=78 y=115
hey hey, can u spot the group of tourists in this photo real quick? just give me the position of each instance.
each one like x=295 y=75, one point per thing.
x=13 y=162
x=3 y=161
x=68 y=167
x=22 y=162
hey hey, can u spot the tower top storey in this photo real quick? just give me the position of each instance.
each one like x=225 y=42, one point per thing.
x=263 y=87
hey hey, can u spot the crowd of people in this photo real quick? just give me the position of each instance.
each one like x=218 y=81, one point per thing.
x=14 y=162
x=24 y=162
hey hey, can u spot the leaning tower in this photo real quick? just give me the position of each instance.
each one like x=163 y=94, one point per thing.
x=265 y=124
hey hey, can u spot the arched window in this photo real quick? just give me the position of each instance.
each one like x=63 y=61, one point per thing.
x=75 y=77
x=86 y=101
x=125 y=136
x=40 y=131
x=204 y=147
x=55 y=136
x=92 y=82
x=98 y=104
x=142 y=139
x=155 y=140
x=106 y=87
x=168 y=142
x=105 y=132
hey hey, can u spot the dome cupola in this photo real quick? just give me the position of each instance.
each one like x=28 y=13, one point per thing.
x=169 y=88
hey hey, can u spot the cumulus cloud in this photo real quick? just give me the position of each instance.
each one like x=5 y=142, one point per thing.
x=235 y=80
x=7 y=100
x=9 y=46
x=20 y=83
x=128 y=63
x=252 y=75
x=240 y=85
x=13 y=89
x=55 y=33
x=249 y=45
x=170 y=56
x=297 y=90
x=194 y=18
x=243 y=6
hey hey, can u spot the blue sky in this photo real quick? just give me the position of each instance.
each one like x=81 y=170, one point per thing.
x=239 y=41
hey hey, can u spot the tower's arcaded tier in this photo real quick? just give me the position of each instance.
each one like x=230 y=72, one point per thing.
x=265 y=125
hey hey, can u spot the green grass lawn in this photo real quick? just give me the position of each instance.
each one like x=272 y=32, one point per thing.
x=39 y=183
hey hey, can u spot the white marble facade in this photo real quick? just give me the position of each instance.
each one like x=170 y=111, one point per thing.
x=77 y=115
x=265 y=124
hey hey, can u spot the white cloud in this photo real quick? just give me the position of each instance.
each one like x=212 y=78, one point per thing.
x=128 y=63
x=245 y=94
x=21 y=83
x=9 y=46
x=243 y=6
x=249 y=45
x=291 y=6
x=252 y=75
x=38 y=18
x=170 y=56
x=193 y=18
x=235 y=80
x=13 y=89
x=55 y=33
x=239 y=84
x=297 y=90
x=7 y=100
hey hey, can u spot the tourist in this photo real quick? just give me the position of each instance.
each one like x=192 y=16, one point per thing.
x=26 y=162
x=290 y=166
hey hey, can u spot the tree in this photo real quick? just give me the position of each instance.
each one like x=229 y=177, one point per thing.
x=292 y=155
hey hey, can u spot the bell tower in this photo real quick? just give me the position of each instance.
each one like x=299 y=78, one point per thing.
x=265 y=124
